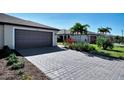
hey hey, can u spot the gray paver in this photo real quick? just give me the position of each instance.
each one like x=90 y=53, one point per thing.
x=64 y=64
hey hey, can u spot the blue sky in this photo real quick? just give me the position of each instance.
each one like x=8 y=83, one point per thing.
x=67 y=20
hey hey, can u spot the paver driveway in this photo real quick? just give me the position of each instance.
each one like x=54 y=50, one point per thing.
x=64 y=64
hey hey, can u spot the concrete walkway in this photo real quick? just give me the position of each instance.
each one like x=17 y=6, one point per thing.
x=64 y=64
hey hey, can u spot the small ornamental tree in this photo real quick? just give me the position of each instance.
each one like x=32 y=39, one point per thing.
x=104 y=42
x=100 y=40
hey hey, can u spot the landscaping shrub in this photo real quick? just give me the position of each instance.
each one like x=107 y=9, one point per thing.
x=87 y=47
x=68 y=43
x=65 y=45
x=17 y=66
x=19 y=72
x=104 y=42
x=26 y=77
x=91 y=48
x=12 y=59
x=77 y=45
x=100 y=41
x=108 y=44
x=70 y=40
x=81 y=46
x=23 y=75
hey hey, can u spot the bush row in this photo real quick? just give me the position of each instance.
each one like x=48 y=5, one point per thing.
x=80 y=46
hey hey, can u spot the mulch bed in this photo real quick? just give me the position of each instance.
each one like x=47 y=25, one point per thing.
x=33 y=71
x=5 y=73
x=29 y=69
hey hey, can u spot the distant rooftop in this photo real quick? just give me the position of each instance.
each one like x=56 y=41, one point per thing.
x=64 y=31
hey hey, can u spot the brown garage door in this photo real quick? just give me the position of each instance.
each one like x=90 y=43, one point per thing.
x=32 y=39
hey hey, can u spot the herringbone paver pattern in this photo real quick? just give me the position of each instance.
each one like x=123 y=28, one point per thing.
x=73 y=65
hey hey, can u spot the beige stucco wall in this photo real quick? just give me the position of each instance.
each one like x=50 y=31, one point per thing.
x=9 y=34
x=1 y=36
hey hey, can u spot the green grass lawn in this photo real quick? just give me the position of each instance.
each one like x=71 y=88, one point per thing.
x=117 y=52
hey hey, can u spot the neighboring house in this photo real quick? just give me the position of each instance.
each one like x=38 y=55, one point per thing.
x=17 y=33
x=65 y=34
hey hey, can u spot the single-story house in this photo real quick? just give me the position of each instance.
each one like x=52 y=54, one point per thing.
x=18 y=33
x=65 y=34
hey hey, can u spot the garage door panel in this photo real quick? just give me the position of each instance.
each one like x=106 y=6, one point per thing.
x=32 y=39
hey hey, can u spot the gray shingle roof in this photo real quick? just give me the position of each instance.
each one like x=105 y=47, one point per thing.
x=63 y=31
x=92 y=33
x=7 y=19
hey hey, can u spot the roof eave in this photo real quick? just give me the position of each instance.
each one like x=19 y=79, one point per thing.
x=30 y=26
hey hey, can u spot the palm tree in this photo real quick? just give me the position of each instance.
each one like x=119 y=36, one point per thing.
x=85 y=29
x=104 y=30
x=79 y=28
